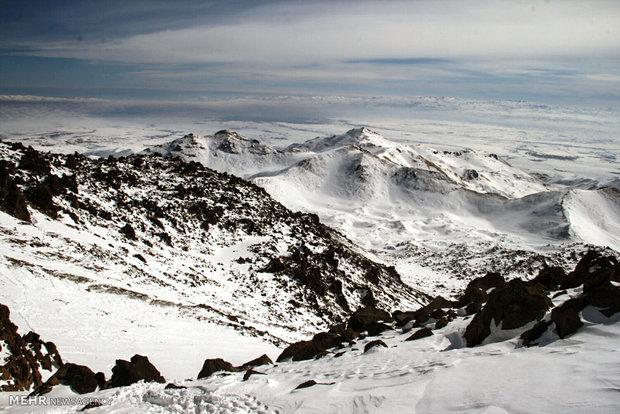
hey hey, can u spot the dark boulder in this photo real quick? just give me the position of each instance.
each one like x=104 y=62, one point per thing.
x=214 y=365
x=402 y=318
x=439 y=302
x=261 y=360
x=44 y=352
x=514 y=305
x=420 y=333
x=306 y=384
x=345 y=333
x=33 y=160
x=530 y=336
x=304 y=350
x=441 y=322
x=376 y=328
x=251 y=372
x=477 y=290
x=372 y=344
x=128 y=231
x=590 y=263
x=551 y=278
x=470 y=174
x=41 y=197
x=138 y=368
x=566 y=316
x=599 y=291
x=21 y=369
x=80 y=378
x=173 y=386
x=364 y=318
x=12 y=200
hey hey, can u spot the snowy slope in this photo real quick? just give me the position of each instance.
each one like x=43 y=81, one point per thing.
x=131 y=249
x=437 y=373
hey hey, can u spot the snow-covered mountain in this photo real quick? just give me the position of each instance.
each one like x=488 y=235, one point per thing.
x=432 y=214
x=154 y=254
x=226 y=149
x=160 y=243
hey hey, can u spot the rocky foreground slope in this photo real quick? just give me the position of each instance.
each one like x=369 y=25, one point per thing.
x=520 y=333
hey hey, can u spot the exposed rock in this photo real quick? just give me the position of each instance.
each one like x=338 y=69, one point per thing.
x=590 y=263
x=128 y=231
x=550 y=277
x=41 y=197
x=420 y=333
x=80 y=378
x=251 y=372
x=402 y=318
x=346 y=334
x=261 y=360
x=376 y=328
x=470 y=174
x=442 y=322
x=366 y=317
x=26 y=356
x=514 y=305
x=530 y=336
x=33 y=160
x=598 y=289
x=306 y=384
x=214 y=365
x=372 y=344
x=304 y=350
x=566 y=316
x=139 y=368
x=173 y=386
x=12 y=200
x=44 y=352
x=477 y=290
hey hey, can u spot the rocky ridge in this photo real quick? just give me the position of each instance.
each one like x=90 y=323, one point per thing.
x=286 y=269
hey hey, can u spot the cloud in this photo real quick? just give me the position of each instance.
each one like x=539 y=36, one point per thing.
x=305 y=33
x=516 y=49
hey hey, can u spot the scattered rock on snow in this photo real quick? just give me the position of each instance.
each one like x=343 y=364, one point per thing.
x=27 y=356
x=80 y=378
x=214 y=365
x=306 y=384
x=366 y=317
x=138 y=368
x=514 y=305
x=372 y=344
x=261 y=360
x=420 y=333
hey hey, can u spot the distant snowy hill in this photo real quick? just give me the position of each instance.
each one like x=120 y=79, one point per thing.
x=227 y=150
x=430 y=213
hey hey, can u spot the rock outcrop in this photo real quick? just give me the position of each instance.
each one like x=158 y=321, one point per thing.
x=27 y=356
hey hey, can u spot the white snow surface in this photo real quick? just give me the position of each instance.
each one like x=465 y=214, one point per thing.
x=435 y=374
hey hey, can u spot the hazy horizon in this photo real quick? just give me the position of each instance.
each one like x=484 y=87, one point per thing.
x=559 y=53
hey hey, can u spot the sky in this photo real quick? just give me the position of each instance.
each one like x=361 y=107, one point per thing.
x=560 y=52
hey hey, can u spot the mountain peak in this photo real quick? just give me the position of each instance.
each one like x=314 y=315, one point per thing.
x=359 y=131
x=362 y=137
